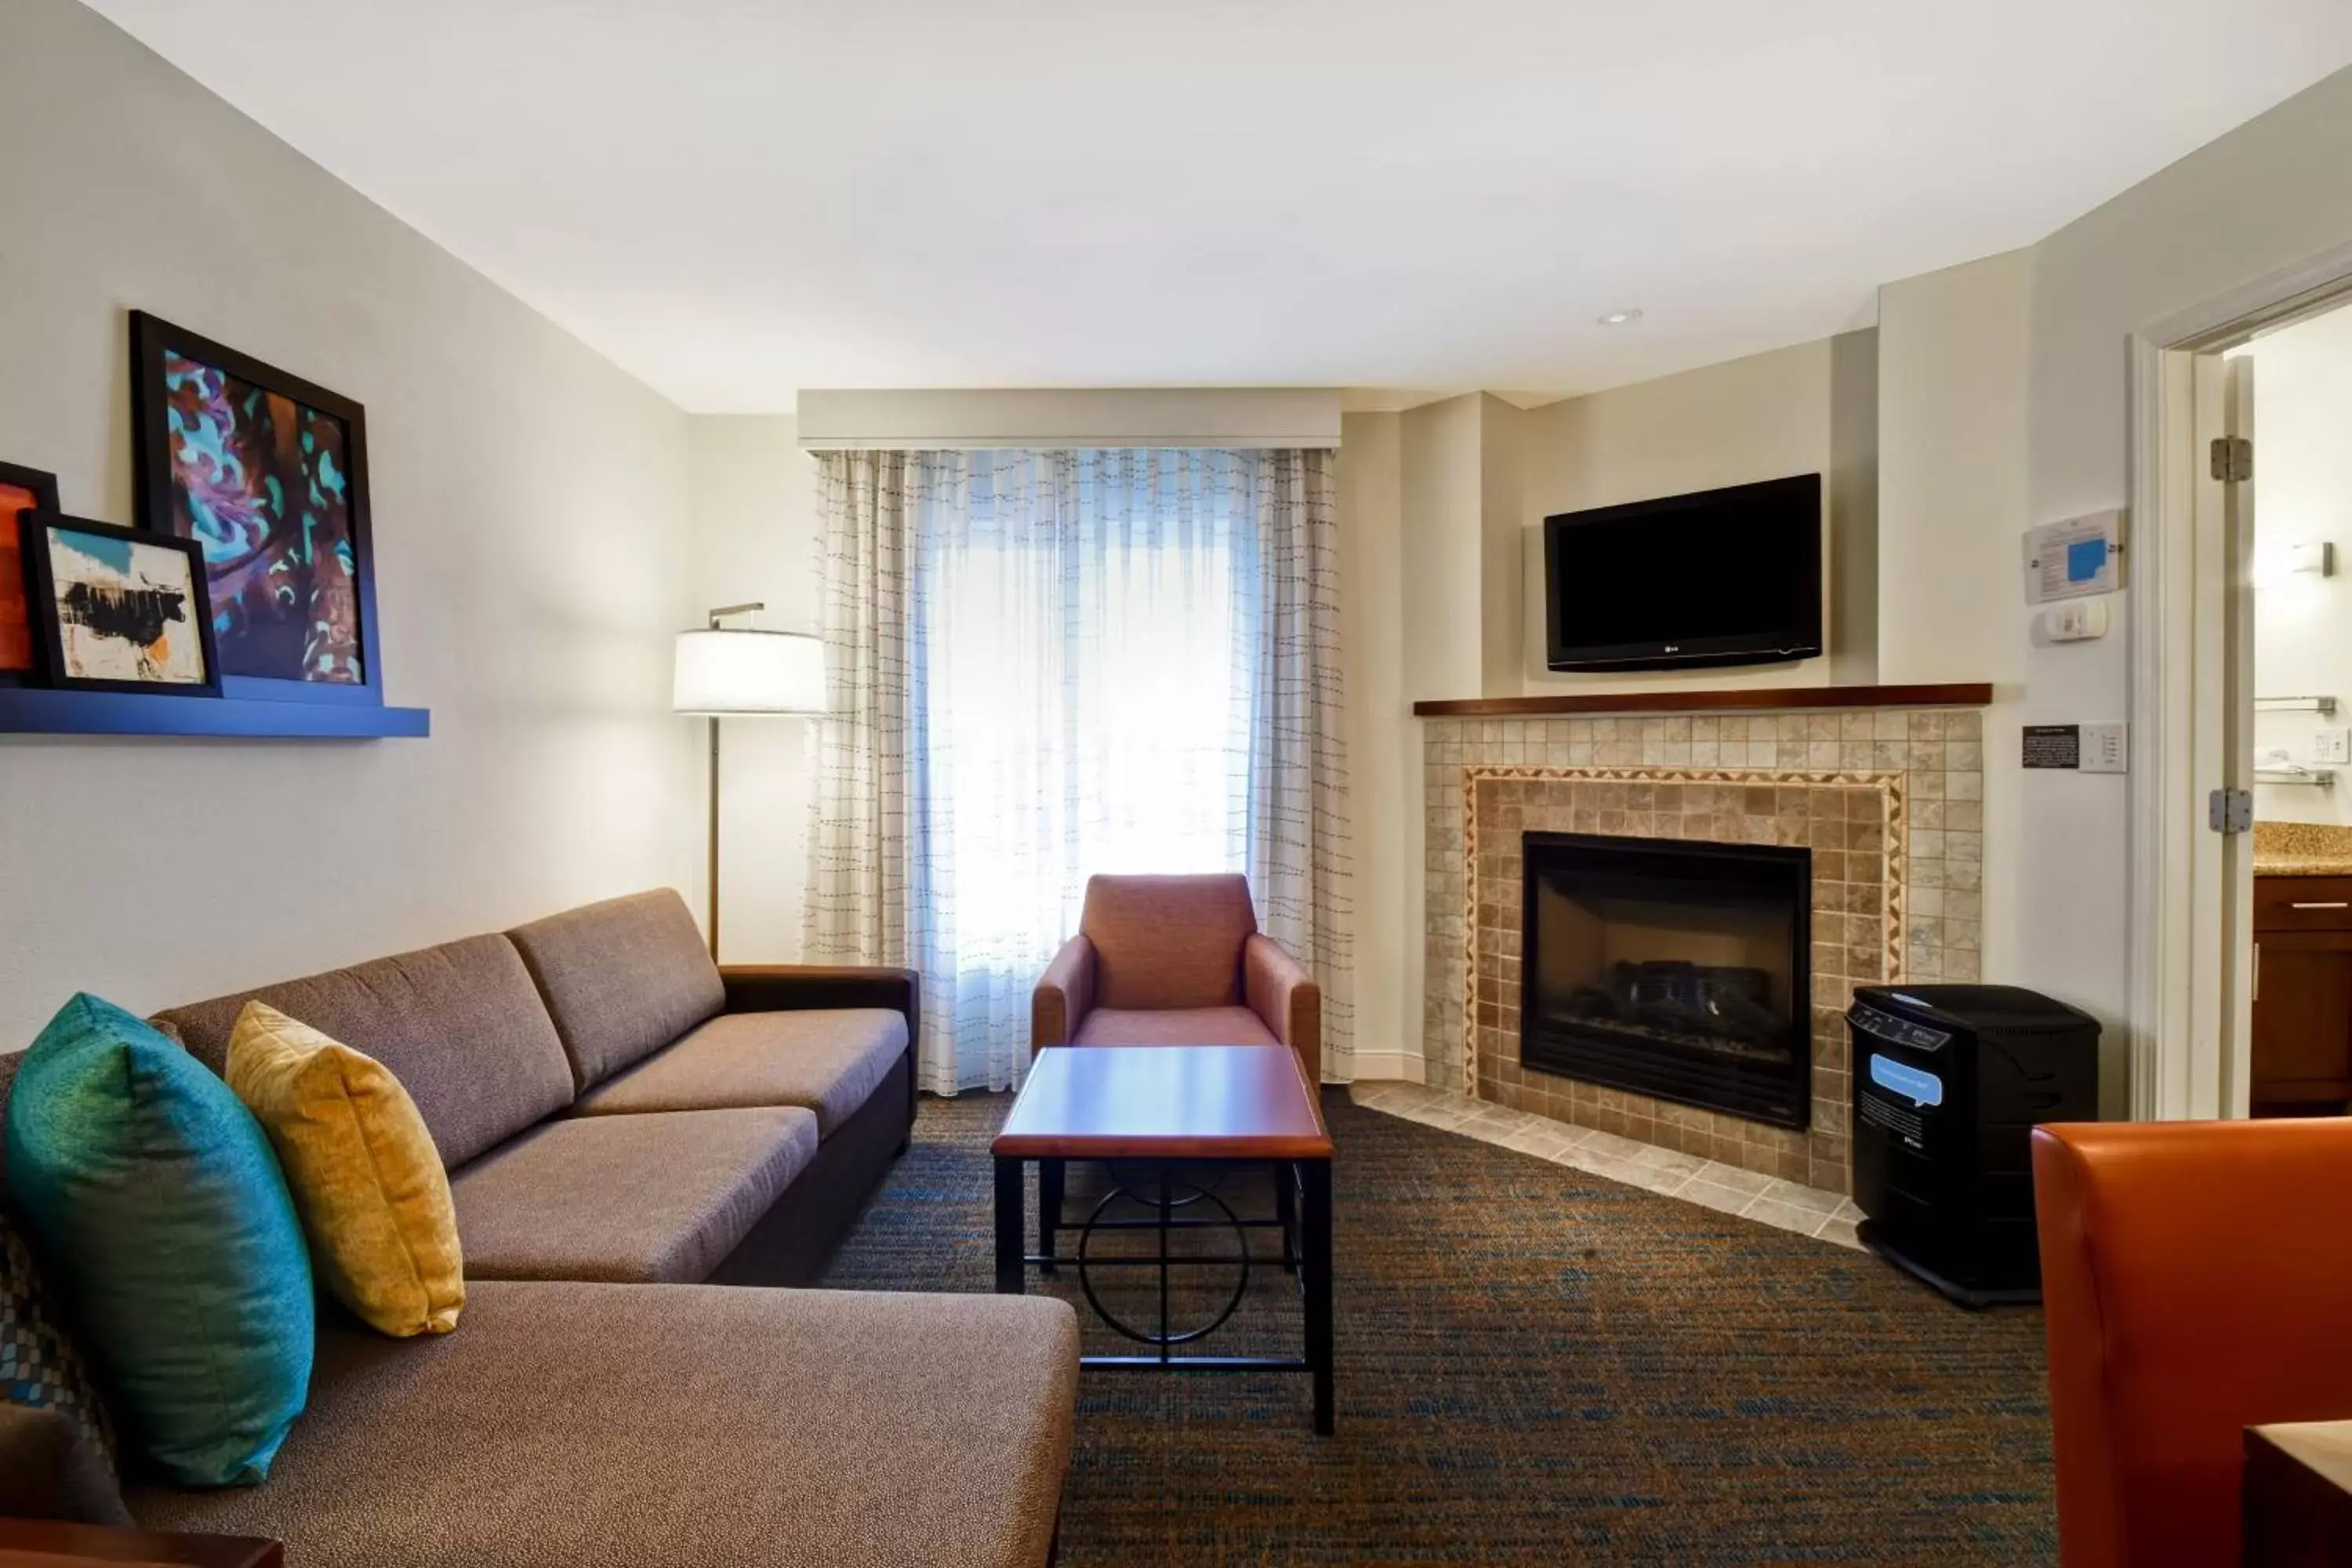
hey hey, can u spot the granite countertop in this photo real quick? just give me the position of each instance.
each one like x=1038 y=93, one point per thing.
x=2301 y=850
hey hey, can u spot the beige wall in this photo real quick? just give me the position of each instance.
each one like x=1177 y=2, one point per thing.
x=2268 y=196
x=1763 y=417
x=1461 y=614
x=754 y=541
x=1503 y=435
x=1440 y=521
x=530 y=520
x=1952 y=505
x=1850 y=614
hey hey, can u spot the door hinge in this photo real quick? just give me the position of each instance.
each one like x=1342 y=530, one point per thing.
x=2233 y=458
x=2230 y=810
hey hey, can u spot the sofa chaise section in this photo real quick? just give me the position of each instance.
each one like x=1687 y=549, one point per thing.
x=569 y=1424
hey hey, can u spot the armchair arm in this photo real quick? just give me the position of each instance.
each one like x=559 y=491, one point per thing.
x=803 y=987
x=1065 y=996
x=1280 y=991
x=2196 y=1284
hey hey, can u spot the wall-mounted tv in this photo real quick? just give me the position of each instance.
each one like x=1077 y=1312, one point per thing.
x=1729 y=576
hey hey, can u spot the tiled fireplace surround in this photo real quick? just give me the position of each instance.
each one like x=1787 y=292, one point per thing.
x=1889 y=800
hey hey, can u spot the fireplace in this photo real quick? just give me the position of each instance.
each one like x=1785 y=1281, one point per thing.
x=1672 y=968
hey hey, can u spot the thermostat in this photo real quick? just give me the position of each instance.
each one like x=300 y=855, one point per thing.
x=2073 y=559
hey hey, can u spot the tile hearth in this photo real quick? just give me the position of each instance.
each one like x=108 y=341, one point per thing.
x=1767 y=1200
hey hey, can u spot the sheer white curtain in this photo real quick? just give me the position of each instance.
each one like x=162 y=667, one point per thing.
x=1099 y=660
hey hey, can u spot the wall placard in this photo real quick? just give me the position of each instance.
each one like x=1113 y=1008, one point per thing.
x=2054 y=745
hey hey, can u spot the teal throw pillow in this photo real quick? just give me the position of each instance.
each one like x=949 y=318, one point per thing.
x=158 y=1201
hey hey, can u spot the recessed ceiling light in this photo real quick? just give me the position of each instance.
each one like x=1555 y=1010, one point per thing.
x=1621 y=318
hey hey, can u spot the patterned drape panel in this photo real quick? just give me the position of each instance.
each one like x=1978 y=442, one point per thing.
x=1300 y=868
x=1050 y=664
x=860 y=851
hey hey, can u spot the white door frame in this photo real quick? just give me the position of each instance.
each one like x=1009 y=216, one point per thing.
x=2182 y=1040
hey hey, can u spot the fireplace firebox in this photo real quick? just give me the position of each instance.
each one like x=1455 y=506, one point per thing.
x=1672 y=968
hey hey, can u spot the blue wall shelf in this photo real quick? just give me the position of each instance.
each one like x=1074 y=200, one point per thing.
x=39 y=710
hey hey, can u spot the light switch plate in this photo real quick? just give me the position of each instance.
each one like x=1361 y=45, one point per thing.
x=2332 y=746
x=2106 y=748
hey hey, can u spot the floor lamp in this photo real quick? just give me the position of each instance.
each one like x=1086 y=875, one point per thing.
x=742 y=672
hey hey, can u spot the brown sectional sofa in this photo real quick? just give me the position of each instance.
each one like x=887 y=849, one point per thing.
x=628 y=1129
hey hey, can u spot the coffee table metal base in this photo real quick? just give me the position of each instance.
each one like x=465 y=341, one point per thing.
x=1302 y=1215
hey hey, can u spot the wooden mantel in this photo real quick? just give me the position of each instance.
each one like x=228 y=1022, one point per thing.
x=1785 y=699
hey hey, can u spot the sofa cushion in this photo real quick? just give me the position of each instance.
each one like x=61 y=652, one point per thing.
x=630 y=1198
x=623 y=979
x=829 y=1061
x=1168 y=942
x=698 y=1426
x=1174 y=1026
x=460 y=1025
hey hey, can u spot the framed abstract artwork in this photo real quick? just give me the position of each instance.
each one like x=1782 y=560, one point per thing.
x=118 y=609
x=22 y=490
x=266 y=474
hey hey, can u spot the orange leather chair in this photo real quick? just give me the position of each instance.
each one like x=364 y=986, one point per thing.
x=1176 y=961
x=2197 y=1278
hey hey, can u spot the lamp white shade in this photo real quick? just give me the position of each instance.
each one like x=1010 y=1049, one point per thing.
x=726 y=672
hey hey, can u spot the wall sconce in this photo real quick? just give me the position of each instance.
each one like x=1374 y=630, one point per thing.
x=2279 y=564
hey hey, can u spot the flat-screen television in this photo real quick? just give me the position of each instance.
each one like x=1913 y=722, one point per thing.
x=1729 y=576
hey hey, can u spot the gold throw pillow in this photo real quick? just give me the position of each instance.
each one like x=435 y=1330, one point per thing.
x=367 y=1180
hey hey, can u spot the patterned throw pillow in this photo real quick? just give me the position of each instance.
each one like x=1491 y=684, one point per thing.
x=38 y=1365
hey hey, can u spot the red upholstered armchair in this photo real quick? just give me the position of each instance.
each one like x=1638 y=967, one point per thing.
x=2197 y=1281
x=1176 y=961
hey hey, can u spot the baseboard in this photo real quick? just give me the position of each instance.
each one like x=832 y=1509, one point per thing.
x=1404 y=1065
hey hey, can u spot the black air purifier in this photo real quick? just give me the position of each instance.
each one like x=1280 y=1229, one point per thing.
x=1948 y=1084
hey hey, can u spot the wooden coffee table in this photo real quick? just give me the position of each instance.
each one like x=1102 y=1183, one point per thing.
x=1175 y=1108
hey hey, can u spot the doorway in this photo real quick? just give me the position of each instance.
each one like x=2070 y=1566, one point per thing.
x=2242 y=707
x=2298 y=740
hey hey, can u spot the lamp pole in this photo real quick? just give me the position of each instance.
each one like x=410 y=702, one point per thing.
x=716 y=617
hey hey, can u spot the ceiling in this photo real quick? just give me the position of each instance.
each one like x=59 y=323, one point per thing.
x=735 y=199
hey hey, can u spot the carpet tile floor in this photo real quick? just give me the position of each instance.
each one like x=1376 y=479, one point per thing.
x=1537 y=1363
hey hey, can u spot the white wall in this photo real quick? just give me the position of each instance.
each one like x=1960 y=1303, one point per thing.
x=2302 y=495
x=754 y=505
x=530 y=512
x=1763 y=417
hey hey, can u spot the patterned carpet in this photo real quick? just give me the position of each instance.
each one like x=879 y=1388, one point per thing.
x=1535 y=1365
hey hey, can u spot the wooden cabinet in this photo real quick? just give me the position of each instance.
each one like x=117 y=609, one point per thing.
x=2302 y=996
